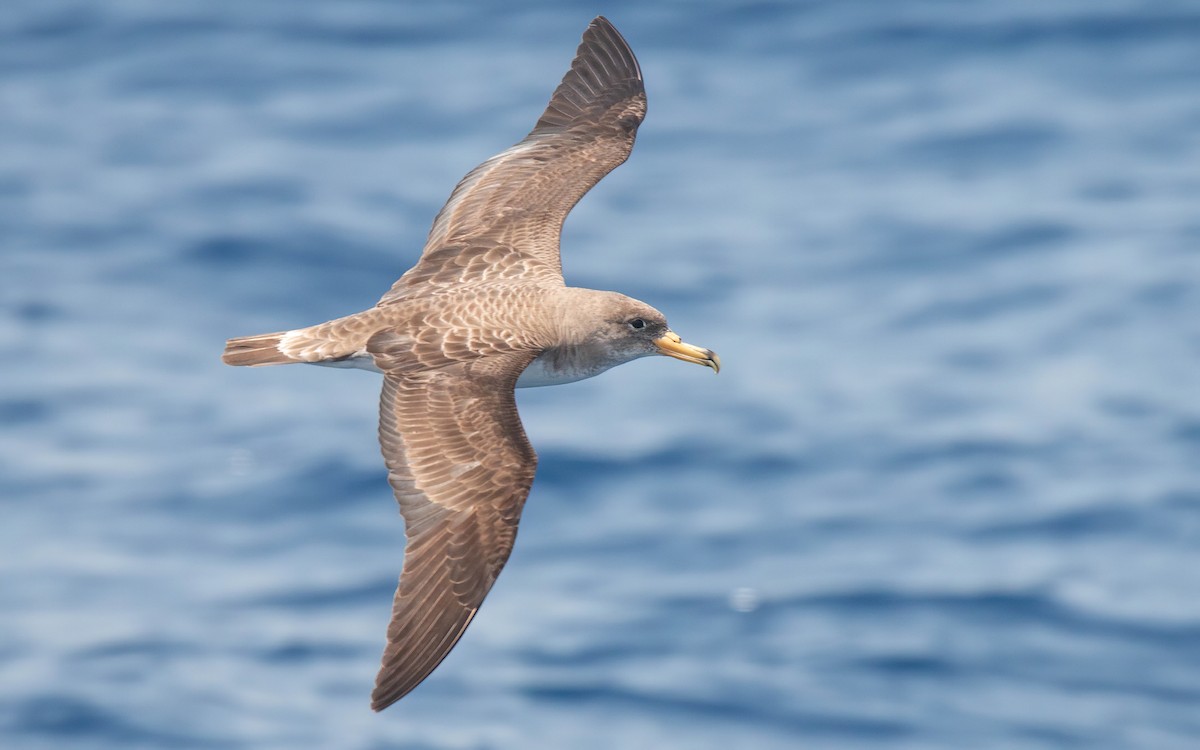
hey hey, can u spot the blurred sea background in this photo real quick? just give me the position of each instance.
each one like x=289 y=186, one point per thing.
x=944 y=494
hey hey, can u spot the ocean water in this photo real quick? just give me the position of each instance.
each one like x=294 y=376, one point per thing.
x=944 y=494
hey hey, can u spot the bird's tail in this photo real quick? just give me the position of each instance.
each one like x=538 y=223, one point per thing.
x=255 y=351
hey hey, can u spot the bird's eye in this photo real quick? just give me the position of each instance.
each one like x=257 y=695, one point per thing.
x=637 y=323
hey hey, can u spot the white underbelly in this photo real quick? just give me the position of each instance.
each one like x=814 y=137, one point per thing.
x=540 y=373
x=358 y=362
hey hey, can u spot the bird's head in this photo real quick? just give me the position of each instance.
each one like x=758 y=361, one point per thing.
x=630 y=329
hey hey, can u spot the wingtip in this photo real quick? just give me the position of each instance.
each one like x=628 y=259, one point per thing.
x=604 y=76
x=381 y=698
x=378 y=705
x=601 y=23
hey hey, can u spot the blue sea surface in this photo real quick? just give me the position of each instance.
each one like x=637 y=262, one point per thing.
x=945 y=493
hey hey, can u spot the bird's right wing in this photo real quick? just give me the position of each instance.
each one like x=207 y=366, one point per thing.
x=461 y=467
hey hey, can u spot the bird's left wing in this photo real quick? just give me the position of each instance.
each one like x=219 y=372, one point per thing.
x=504 y=218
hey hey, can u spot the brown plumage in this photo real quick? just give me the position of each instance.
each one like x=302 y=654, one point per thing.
x=485 y=310
x=255 y=351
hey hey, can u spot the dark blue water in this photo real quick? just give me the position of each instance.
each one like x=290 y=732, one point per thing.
x=945 y=494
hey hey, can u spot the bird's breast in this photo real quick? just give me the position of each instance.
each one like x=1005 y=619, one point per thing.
x=556 y=366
